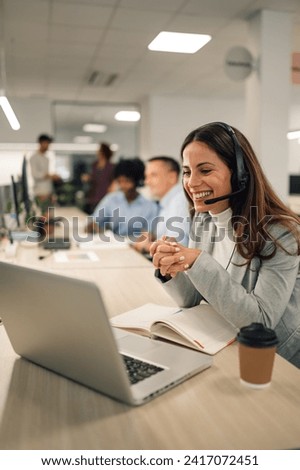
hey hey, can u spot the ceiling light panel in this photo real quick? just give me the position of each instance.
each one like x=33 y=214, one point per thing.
x=185 y=43
x=97 y=128
x=293 y=135
x=129 y=116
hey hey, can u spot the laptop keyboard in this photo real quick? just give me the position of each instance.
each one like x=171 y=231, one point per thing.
x=139 y=370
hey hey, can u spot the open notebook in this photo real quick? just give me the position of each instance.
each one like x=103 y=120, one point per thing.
x=200 y=327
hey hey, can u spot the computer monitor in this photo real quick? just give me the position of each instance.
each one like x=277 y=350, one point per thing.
x=16 y=200
x=25 y=192
x=17 y=203
x=294 y=184
x=5 y=198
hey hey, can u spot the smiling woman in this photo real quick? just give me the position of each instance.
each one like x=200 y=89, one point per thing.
x=243 y=254
x=205 y=175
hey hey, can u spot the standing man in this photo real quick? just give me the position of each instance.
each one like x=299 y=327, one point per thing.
x=162 y=179
x=42 y=179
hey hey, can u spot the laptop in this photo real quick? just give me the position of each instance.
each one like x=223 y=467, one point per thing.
x=57 y=243
x=61 y=323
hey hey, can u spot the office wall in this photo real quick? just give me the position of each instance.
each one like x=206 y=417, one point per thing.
x=294 y=157
x=167 y=120
x=35 y=117
x=294 y=145
x=165 y=123
x=34 y=114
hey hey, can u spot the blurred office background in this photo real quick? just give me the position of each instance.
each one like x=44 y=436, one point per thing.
x=68 y=63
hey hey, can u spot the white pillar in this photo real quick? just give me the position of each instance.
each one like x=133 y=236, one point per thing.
x=268 y=94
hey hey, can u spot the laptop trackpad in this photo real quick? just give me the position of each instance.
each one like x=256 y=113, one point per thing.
x=136 y=344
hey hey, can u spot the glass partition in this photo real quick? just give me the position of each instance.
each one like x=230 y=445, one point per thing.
x=76 y=146
x=70 y=118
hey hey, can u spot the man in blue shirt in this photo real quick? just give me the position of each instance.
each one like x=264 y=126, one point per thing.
x=125 y=211
x=162 y=178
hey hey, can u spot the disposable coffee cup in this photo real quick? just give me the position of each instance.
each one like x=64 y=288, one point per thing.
x=257 y=347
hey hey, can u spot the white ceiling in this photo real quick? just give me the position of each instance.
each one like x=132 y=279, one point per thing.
x=53 y=46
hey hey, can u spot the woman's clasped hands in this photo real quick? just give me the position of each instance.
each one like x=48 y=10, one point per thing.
x=171 y=257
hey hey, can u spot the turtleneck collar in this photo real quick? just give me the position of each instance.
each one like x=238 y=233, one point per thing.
x=223 y=219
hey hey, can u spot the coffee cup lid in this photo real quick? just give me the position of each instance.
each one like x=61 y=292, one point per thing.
x=257 y=335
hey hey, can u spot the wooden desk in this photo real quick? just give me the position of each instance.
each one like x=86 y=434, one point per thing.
x=109 y=255
x=42 y=410
x=124 y=257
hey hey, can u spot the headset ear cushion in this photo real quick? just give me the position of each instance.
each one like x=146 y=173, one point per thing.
x=245 y=180
x=240 y=176
x=234 y=181
x=239 y=183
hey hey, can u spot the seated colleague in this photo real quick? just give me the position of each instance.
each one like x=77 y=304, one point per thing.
x=243 y=254
x=161 y=177
x=125 y=211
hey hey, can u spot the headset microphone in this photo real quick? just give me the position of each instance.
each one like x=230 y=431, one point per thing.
x=242 y=174
x=223 y=198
